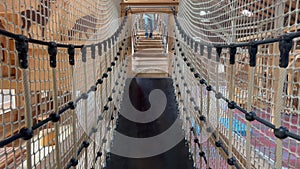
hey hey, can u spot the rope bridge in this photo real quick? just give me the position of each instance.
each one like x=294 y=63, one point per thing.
x=63 y=102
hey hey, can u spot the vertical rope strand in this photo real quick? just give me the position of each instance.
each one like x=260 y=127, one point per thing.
x=230 y=111
x=56 y=125
x=249 y=104
x=74 y=113
x=85 y=113
x=277 y=115
x=28 y=114
x=218 y=115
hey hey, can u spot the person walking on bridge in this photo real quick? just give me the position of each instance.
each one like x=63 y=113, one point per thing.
x=149 y=18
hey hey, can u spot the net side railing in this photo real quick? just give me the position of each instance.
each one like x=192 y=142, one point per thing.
x=266 y=84
x=61 y=72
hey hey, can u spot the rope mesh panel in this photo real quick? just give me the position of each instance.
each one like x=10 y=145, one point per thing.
x=67 y=22
x=226 y=22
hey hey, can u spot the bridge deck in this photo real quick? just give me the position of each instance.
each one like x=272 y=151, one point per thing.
x=175 y=158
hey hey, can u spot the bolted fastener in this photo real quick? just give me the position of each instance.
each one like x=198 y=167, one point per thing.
x=202 y=81
x=83 y=53
x=105 y=75
x=84 y=96
x=85 y=144
x=99 y=154
x=73 y=162
x=99 y=49
x=219 y=51
x=232 y=55
x=71 y=52
x=218 y=95
x=54 y=117
x=99 y=81
x=26 y=133
x=105 y=108
x=209 y=51
x=52 y=51
x=285 y=46
x=93 y=51
x=250 y=116
x=22 y=48
x=281 y=132
x=209 y=88
x=231 y=161
x=196 y=47
x=252 y=50
x=197 y=75
x=93 y=88
x=72 y=105
x=202 y=118
x=231 y=105
x=201 y=50
x=218 y=143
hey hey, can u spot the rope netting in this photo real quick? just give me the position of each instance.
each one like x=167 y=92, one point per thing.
x=264 y=84
x=59 y=63
x=235 y=70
